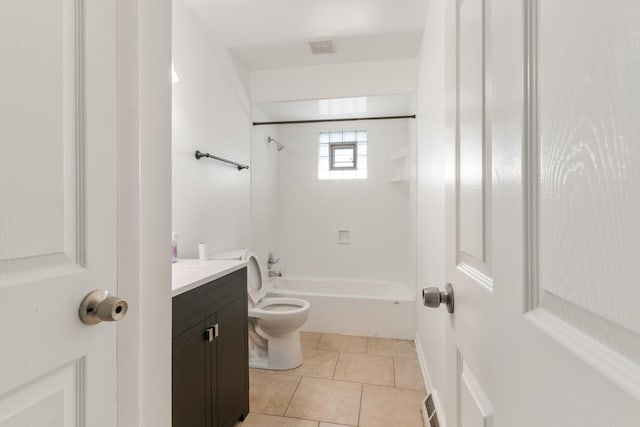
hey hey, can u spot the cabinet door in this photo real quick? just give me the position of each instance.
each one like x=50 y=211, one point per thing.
x=233 y=359
x=189 y=378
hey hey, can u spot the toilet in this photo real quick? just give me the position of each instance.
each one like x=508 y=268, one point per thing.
x=274 y=323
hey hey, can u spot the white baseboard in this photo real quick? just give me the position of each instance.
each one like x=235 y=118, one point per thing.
x=428 y=384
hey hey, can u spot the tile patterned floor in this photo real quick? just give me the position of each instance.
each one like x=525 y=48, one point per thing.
x=344 y=381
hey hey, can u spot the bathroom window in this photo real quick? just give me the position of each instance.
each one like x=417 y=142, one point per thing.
x=342 y=155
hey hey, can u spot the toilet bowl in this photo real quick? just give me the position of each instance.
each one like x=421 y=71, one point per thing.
x=280 y=315
x=274 y=323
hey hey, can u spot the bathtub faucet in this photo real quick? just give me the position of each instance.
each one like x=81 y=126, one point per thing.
x=275 y=273
x=271 y=261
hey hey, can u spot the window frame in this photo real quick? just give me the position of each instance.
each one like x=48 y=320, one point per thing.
x=338 y=145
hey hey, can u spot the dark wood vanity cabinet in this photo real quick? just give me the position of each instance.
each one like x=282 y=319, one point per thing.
x=210 y=354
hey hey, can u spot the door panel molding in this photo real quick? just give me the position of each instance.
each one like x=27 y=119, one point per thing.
x=80 y=178
x=474 y=407
x=54 y=398
x=530 y=152
x=473 y=211
x=58 y=141
x=609 y=363
x=569 y=311
x=474 y=270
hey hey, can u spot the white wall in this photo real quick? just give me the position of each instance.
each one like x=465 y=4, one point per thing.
x=431 y=193
x=265 y=163
x=386 y=77
x=312 y=211
x=211 y=200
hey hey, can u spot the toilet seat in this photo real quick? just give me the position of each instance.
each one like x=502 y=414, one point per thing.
x=280 y=316
x=272 y=307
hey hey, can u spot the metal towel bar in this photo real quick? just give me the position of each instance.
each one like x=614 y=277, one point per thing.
x=240 y=166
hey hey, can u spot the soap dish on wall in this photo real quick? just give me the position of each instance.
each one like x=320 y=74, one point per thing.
x=398 y=169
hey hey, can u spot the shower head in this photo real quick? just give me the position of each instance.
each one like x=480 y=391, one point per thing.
x=279 y=146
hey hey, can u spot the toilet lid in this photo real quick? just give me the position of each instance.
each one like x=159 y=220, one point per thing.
x=254 y=275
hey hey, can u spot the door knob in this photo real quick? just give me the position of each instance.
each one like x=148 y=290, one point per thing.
x=433 y=297
x=99 y=306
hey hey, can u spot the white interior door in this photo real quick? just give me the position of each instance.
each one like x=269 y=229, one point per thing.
x=58 y=210
x=543 y=201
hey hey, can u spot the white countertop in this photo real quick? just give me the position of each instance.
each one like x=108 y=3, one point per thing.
x=188 y=274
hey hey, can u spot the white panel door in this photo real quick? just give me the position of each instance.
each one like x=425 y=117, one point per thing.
x=57 y=211
x=543 y=208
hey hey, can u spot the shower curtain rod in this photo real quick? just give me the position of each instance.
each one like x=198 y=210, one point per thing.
x=293 y=122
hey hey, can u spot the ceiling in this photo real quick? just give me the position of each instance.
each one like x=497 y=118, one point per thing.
x=265 y=34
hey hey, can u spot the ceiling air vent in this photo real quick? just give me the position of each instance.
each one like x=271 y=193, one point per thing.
x=322 y=46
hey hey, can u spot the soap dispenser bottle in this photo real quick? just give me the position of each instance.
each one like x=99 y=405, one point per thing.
x=174 y=247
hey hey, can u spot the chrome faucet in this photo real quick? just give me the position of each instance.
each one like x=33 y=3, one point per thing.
x=271 y=261
x=273 y=273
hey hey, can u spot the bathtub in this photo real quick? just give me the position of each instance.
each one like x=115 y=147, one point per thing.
x=353 y=307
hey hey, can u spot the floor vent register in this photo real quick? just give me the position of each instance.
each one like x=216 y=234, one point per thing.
x=429 y=412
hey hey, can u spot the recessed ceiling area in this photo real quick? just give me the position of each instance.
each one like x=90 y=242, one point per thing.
x=266 y=34
x=335 y=108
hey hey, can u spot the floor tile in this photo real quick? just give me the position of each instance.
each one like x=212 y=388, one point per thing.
x=260 y=371
x=309 y=339
x=346 y=343
x=333 y=425
x=261 y=420
x=364 y=368
x=326 y=400
x=390 y=406
x=270 y=394
x=317 y=363
x=392 y=347
x=408 y=373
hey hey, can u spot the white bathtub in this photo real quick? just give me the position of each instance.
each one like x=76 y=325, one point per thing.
x=384 y=309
